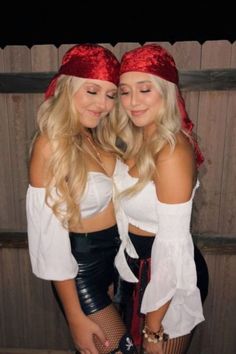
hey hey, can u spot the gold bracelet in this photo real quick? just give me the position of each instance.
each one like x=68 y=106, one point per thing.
x=155 y=337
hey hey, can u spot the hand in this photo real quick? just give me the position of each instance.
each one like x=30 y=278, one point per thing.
x=152 y=348
x=83 y=335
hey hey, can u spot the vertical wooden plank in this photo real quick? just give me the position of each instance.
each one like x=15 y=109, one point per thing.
x=217 y=334
x=11 y=295
x=44 y=58
x=32 y=303
x=211 y=129
x=7 y=197
x=57 y=332
x=187 y=56
x=17 y=59
x=227 y=223
x=2 y=318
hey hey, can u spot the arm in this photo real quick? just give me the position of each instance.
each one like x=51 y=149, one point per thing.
x=81 y=327
x=174 y=185
x=48 y=264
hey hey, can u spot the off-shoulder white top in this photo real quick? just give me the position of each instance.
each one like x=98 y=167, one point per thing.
x=173 y=271
x=49 y=243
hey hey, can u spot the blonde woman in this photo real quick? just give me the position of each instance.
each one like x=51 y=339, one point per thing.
x=72 y=230
x=160 y=293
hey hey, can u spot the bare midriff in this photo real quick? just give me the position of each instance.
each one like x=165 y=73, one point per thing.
x=98 y=222
x=135 y=230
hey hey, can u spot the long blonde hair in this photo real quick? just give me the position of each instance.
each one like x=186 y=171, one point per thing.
x=59 y=121
x=168 y=124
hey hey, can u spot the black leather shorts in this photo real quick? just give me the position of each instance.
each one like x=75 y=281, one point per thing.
x=95 y=253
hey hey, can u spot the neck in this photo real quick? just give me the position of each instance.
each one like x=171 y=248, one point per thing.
x=86 y=132
x=148 y=131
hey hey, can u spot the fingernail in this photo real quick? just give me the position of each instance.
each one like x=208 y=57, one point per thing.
x=106 y=343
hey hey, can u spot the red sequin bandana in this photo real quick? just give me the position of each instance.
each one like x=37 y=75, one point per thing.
x=155 y=60
x=88 y=61
x=151 y=59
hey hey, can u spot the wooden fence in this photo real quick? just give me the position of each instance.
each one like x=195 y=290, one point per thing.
x=29 y=316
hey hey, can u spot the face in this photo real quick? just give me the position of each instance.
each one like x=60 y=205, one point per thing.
x=94 y=100
x=140 y=99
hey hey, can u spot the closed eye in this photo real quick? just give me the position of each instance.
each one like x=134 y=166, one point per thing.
x=112 y=97
x=145 y=91
x=92 y=92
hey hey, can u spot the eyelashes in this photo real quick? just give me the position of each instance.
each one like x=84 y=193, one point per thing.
x=141 y=91
x=112 y=97
x=92 y=92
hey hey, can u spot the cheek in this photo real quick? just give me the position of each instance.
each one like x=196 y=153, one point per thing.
x=78 y=101
x=124 y=100
x=81 y=103
x=110 y=105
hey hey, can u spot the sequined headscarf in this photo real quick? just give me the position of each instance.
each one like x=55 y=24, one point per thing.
x=154 y=59
x=88 y=61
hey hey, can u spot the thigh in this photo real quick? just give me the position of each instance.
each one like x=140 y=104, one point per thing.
x=115 y=331
x=177 y=345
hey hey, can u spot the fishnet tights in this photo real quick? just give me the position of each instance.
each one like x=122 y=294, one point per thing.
x=176 y=345
x=112 y=325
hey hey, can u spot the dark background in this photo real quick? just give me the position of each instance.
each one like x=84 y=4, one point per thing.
x=143 y=21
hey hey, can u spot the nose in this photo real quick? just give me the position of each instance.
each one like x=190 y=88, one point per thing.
x=102 y=102
x=133 y=99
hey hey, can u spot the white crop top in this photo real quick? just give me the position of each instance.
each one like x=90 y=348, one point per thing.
x=49 y=243
x=173 y=271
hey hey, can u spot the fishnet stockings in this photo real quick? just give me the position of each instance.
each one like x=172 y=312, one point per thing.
x=177 y=345
x=112 y=325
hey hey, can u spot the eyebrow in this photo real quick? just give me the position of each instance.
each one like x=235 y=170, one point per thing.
x=138 y=82
x=91 y=83
x=98 y=86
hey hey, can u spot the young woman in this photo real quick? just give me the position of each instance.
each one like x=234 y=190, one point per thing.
x=72 y=229
x=154 y=195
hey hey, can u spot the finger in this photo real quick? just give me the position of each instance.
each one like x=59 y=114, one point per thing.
x=87 y=351
x=101 y=336
x=92 y=349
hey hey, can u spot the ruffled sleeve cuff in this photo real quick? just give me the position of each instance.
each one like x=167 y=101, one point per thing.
x=49 y=244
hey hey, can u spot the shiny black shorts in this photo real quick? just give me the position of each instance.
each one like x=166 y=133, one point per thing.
x=95 y=253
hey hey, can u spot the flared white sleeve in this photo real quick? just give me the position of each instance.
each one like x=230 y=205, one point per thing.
x=49 y=243
x=173 y=271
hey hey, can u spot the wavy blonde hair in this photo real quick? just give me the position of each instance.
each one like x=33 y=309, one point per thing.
x=59 y=121
x=168 y=124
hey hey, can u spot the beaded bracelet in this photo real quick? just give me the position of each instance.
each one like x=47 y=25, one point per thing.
x=155 y=337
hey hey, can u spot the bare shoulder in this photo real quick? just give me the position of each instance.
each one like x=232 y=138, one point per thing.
x=41 y=153
x=176 y=171
x=183 y=151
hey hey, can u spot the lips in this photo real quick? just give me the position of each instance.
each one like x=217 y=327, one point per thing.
x=138 y=113
x=95 y=114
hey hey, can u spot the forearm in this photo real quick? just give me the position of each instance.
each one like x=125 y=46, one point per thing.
x=154 y=319
x=67 y=293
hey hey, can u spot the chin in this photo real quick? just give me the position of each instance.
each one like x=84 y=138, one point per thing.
x=138 y=124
